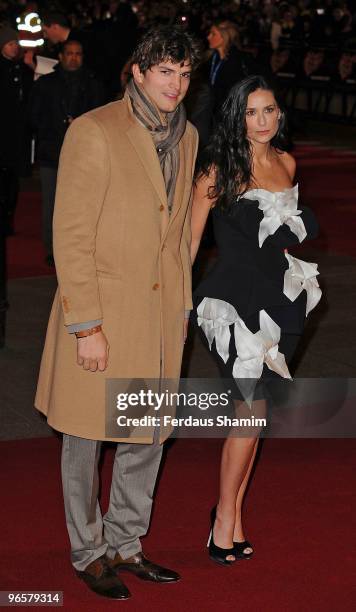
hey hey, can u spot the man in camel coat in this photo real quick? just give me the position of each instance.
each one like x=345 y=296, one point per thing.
x=121 y=247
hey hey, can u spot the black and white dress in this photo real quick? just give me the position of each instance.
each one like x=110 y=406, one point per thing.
x=251 y=306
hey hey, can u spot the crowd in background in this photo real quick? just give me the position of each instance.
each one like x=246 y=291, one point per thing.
x=326 y=22
x=92 y=40
x=305 y=36
x=298 y=41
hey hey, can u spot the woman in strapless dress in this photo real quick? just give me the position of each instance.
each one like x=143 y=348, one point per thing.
x=251 y=307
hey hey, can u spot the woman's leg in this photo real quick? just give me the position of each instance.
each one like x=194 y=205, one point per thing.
x=238 y=455
x=287 y=346
x=238 y=529
x=236 y=464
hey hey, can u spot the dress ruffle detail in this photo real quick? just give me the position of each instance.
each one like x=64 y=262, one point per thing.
x=302 y=275
x=278 y=208
x=253 y=349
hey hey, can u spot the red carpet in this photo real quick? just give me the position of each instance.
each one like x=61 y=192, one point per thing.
x=298 y=515
x=25 y=251
x=327 y=180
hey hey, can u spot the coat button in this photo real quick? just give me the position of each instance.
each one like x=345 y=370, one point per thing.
x=155 y=287
x=161 y=207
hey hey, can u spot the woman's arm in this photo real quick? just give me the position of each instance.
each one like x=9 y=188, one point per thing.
x=200 y=210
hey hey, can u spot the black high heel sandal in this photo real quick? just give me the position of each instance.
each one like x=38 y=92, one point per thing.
x=240 y=547
x=216 y=553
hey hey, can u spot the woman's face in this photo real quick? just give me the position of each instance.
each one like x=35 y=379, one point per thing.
x=262 y=116
x=215 y=39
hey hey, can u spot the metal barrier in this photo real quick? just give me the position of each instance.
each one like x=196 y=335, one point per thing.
x=320 y=96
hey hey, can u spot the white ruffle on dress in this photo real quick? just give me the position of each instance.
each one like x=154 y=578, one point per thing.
x=278 y=207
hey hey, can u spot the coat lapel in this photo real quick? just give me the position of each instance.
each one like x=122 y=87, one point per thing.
x=142 y=142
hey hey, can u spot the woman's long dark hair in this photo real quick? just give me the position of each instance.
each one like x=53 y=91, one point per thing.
x=229 y=152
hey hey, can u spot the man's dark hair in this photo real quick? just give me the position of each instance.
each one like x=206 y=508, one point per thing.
x=70 y=41
x=49 y=18
x=166 y=43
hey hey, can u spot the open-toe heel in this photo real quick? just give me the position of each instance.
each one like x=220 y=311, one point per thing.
x=217 y=554
x=239 y=550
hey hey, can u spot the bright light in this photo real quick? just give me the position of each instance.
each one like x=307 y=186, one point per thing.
x=26 y=26
x=31 y=43
x=30 y=16
x=32 y=29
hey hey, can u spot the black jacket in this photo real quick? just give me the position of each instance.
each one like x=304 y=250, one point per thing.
x=16 y=80
x=56 y=99
x=236 y=66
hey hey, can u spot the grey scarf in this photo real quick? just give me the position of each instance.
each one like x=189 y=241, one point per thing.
x=166 y=134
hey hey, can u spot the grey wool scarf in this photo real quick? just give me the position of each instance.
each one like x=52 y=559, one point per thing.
x=166 y=132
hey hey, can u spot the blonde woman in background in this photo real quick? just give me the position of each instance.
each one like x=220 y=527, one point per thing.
x=228 y=64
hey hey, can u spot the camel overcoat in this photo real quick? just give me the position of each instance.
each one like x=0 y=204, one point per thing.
x=120 y=257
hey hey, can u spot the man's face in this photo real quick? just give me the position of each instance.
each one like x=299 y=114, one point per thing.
x=53 y=32
x=10 y=50
x=72 y=57
x=166 y=83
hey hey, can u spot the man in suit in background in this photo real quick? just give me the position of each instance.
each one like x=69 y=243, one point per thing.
x=58 y=98
x=122 y=253
x=56 y=28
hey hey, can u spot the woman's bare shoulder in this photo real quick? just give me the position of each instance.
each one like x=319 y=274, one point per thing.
x=289 y=163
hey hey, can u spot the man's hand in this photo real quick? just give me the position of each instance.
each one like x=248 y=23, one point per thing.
x=93 y=352
x=28 y=59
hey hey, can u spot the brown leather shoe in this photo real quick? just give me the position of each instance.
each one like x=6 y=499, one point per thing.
x=103 y=580
x=143 y=568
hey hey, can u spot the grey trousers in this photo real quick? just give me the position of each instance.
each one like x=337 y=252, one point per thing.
x=131 y=495
x=48 y=187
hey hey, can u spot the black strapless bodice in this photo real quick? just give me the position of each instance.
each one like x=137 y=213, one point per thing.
x=249 y=272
